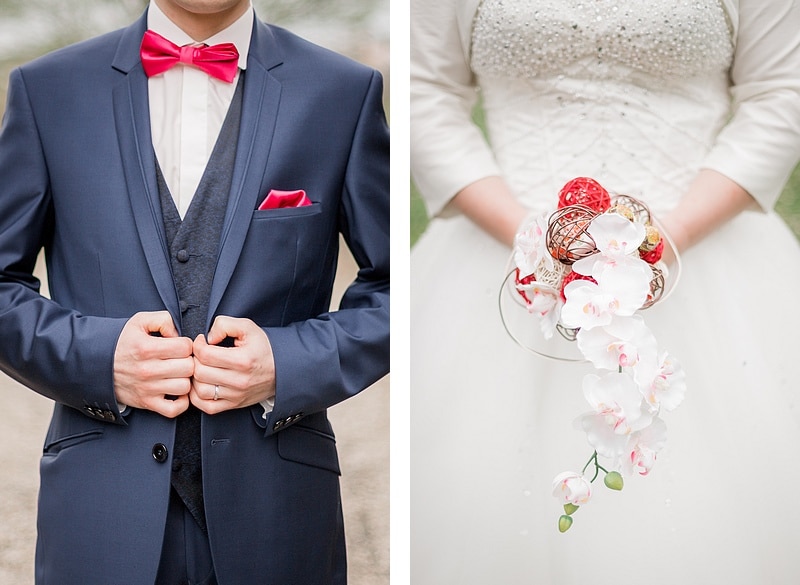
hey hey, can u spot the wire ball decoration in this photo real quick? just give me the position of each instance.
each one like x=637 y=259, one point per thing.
x=632 y=208
x=568 y=333
x=568 y=240
x=567 y=237
x=658 y=285
x=543 y=275
x=516 y=320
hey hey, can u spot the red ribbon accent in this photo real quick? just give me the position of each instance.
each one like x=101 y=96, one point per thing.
x=159 y=54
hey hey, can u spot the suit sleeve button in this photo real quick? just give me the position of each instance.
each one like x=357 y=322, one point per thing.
x=160 y=452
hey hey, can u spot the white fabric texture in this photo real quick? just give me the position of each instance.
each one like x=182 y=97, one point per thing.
x=492 y=425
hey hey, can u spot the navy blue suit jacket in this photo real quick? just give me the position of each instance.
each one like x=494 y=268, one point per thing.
x=77 y=177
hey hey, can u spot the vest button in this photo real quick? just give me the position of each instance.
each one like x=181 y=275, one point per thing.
x=160 y=452
x=182 y=256
x=184 y=306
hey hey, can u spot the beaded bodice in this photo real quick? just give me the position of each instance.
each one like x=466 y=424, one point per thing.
x=631 y=93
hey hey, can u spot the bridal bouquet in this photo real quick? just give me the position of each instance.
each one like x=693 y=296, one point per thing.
x=585 y=271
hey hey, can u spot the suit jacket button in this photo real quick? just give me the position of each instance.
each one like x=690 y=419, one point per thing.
x=160 y=452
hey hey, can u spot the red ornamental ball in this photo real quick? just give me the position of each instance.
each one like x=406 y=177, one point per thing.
x=653 y=255
x=584 y=191
x=569 y=278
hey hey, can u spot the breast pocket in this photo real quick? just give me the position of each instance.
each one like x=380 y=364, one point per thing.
x=288 y=212
x=281 y=263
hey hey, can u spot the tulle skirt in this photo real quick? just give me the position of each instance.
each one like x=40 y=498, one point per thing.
x=492 y=425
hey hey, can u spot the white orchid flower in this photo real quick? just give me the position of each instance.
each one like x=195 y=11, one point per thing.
x=618 y=411
x=620 y=290
x=572 y=488
x=642 y=448
x=530 y=247
x=626 y=342
x=615 y=236
x=666 y=386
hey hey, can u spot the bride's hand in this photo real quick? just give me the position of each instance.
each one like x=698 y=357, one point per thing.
x=711 y=201
x=490 y=204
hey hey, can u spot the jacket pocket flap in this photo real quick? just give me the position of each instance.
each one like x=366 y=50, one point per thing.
x=69 y=426
x=309 y=446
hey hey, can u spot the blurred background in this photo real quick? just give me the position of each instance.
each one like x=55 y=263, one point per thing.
x=357 y=28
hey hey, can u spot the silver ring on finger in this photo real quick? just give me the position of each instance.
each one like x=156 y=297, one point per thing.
x=216 y=391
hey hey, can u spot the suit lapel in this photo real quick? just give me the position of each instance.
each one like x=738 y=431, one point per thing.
x=259 y=111
x=132 y=119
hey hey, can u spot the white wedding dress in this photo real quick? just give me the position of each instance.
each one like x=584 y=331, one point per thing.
x=635 y=96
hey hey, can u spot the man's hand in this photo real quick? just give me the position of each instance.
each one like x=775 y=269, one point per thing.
x=241 y=375
x=153 y=366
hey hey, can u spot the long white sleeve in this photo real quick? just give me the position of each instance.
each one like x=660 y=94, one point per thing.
x=448 y=152
x=760 y=146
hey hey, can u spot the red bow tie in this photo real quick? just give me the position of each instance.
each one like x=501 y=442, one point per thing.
x=159 y=54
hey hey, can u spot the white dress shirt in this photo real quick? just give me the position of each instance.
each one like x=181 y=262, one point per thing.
x=188 y=106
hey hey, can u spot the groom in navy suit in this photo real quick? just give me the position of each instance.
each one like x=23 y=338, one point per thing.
x=189 y=178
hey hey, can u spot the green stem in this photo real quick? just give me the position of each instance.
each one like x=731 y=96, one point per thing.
x=597 y=467
x=594 y=456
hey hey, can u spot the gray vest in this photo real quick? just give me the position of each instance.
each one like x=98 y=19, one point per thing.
x=193 y=250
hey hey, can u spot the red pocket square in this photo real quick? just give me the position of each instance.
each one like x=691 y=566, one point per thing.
x=279 y=199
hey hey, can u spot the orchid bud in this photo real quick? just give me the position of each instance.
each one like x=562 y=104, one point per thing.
x=564 y=523
x=570 y=509
x=613 y=480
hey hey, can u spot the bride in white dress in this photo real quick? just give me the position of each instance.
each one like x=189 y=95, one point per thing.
x=693 y=107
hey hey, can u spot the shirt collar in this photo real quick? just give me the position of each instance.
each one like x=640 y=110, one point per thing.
x=237 y=33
